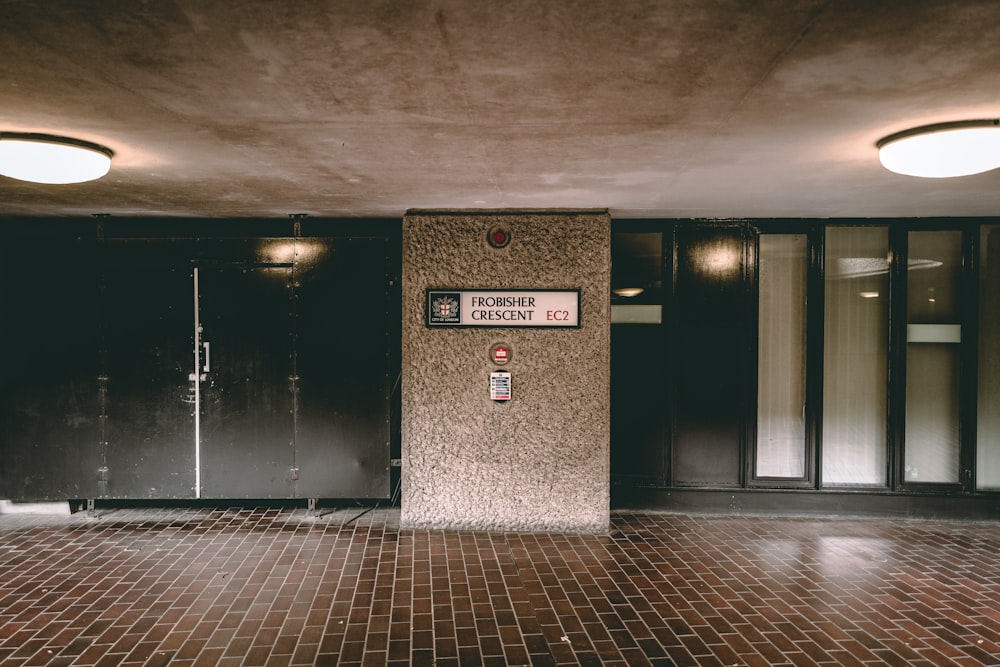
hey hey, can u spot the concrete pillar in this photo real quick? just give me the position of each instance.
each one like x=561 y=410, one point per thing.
x=541 y=460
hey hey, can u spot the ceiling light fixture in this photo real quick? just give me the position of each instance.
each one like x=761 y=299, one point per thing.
x=628 y=291
x=45 y=158
x=943 y=150
x=863 y=267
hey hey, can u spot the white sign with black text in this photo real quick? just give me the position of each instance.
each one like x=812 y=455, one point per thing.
x=503 y=308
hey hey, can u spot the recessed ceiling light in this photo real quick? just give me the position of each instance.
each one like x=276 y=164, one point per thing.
x=628 y=291
x=863 y=267
x=45 y=158
x=943 y=150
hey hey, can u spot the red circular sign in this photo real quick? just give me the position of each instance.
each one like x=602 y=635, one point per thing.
x=498 y=236
x=500 y=353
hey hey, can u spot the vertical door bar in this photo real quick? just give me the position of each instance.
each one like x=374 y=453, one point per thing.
x=294 y=378
x=196 y=377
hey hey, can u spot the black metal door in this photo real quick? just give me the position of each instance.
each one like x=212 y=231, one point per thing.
x=245 y=355
x=146 y=403
x=712 y=339
x=343 y=339
x=182 y=369
x=49 y=327
x=247 y=369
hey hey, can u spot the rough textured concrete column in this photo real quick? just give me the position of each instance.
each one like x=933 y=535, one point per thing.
x=541 y=460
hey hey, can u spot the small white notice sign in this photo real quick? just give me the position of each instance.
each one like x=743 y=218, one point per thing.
x=500 y=386
x=503 y=308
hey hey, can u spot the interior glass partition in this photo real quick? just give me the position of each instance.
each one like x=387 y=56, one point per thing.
x=847 y=355
x=988 y=431
x=933 y=359
x=856 y=345
x=640 y=396
x=783 y=264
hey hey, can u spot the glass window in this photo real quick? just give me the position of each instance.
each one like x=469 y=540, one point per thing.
x=710 y=321
x=637 y=278
x=933 y=340
x=640 y=415
x=781 y=355
x=988 y=433
x=856 y=344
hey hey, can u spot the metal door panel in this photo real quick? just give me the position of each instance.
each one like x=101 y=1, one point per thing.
x=246 y=420
x=640 y=397
x=147 y=357
x=342 y=350
x=98 y=398
x=712 y=337
x=49 y=324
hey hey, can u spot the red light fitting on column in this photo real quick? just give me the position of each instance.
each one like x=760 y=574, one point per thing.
x=498 y=237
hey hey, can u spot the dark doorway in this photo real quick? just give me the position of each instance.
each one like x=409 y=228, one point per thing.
x=225 y=368
x=711 y=330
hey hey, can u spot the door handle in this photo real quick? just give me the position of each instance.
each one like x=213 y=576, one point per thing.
x=208 y=358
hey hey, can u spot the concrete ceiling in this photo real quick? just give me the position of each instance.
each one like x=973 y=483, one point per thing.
x=360 y=108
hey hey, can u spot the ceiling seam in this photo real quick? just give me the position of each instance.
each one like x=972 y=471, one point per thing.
x=748 y=93
x=456 y=72
x=774 y=62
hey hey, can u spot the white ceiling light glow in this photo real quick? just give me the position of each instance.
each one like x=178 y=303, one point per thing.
x=943 y=150
x=44 y=158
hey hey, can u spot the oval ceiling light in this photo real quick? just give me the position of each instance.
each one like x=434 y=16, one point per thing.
x=45 y=158
x=943 y=150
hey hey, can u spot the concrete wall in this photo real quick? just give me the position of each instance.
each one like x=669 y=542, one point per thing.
x=541 y=460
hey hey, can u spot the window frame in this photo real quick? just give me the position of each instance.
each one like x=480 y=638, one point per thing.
x=898 y=230
x=813 y=231
x=968 y=355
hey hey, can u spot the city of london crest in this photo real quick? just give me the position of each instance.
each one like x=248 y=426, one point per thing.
x=444 y=308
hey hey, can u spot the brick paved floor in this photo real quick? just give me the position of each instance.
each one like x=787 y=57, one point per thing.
x=277 y=587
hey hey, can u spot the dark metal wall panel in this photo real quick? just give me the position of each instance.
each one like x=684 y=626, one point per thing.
x=712 y=350
x=97 y=401
x=246 y=424
x=146 y=360
x=640 y=403
x=641 y=415
x=342 y=335
x=49 y=427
